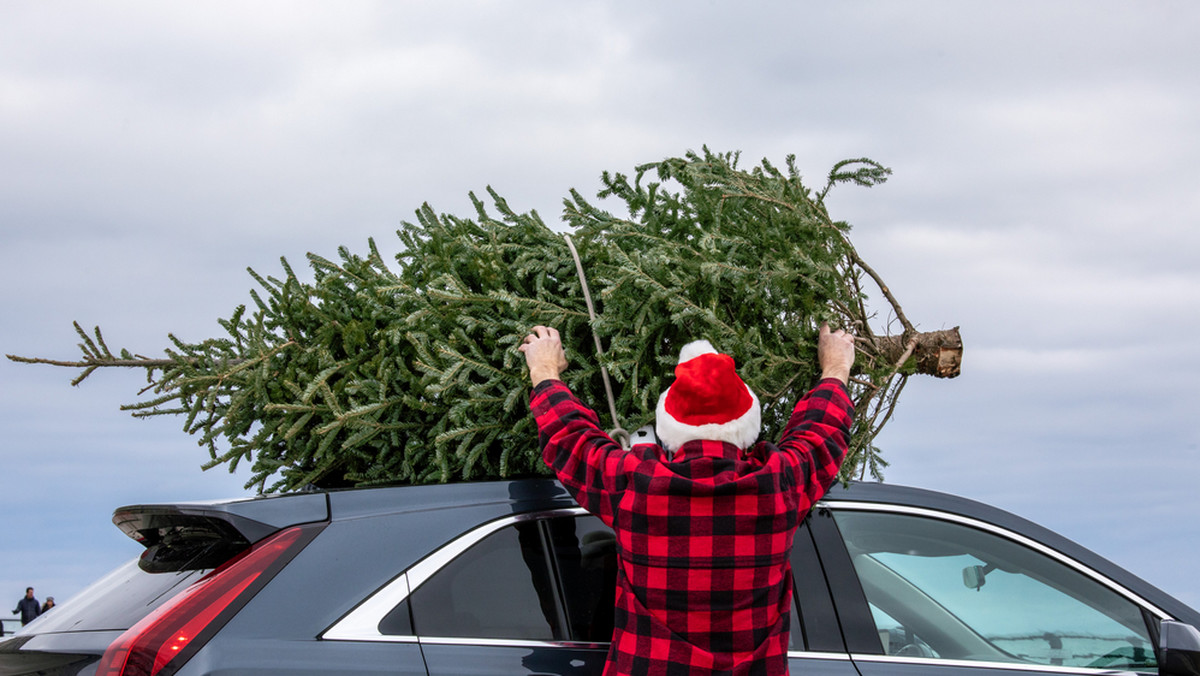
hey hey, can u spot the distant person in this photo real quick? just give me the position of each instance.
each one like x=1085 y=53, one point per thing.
x=48 y=604
x=28 y=607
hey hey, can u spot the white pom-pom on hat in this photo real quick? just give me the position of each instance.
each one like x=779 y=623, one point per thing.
x=695 y=349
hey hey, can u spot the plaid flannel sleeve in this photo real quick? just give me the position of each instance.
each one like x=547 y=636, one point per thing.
x=817 y=436
x=584 y=458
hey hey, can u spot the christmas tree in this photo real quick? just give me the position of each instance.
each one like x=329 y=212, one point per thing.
x=375 y=373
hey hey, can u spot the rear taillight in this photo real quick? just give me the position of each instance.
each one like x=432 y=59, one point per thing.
x=162 y=641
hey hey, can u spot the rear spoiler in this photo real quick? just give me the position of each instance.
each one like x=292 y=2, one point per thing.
x=200 y=535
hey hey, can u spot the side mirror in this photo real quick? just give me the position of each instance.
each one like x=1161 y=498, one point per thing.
x=1179 y=645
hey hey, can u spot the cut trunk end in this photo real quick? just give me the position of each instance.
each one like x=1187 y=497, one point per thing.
x=934 y=353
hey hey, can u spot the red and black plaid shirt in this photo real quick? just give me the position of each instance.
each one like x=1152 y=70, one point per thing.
x=704 y=583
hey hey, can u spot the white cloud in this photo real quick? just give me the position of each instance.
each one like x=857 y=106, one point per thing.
x=1044 y=196
x=1050 y=363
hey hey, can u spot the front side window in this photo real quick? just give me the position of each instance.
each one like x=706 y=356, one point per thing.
x=942 y=590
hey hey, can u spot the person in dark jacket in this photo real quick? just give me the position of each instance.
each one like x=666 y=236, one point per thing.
x=28 y=607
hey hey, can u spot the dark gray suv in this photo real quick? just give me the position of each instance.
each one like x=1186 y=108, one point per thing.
x=513 y=578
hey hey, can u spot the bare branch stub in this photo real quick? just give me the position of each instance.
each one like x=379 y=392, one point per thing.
x=140 y=362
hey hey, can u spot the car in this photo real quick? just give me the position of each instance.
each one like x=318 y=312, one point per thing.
x=512 y=577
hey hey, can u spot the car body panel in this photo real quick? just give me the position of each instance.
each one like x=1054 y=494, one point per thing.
x=303 y=657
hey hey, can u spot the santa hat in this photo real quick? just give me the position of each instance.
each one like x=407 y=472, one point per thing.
x=707 y=401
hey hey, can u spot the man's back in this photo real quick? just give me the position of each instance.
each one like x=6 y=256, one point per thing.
x=703 y=538
x=703 y=535
x=704 y=542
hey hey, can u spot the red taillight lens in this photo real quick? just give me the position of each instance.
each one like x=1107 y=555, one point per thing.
x=162 y=641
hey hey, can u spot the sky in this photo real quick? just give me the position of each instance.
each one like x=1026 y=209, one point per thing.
x=1044 y=199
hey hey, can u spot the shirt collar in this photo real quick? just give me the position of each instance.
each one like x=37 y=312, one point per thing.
x=701 y=448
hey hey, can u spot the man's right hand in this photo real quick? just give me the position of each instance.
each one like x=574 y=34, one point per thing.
x=544 y=354
x=835 y=351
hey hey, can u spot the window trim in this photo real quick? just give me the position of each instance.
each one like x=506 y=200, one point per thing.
x=1138 y=601
x=998 y=666
x=362 y=623
x=817 y=619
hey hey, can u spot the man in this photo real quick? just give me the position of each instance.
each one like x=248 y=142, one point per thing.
x=28 y=607
x=704 y=524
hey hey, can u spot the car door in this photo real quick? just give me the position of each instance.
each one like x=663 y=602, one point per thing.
x=921 y=591
x=527 y=599
x=487 y=602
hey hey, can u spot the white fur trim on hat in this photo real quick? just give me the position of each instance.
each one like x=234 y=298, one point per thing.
x=741 y=432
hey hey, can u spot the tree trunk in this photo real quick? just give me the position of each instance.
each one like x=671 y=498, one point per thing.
x=933 y=353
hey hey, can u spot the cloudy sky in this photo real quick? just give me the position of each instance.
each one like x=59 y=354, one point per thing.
x=1045 y=199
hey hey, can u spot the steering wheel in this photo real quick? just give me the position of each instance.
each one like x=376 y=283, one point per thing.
x=915 y=650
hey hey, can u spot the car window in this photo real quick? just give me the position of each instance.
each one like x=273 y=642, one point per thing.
x=499 y=588
x=116 y=601
x=945 y=590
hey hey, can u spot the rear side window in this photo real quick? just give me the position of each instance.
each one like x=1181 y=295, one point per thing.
x=550 y=579
x=499 y=588
x=117 y=600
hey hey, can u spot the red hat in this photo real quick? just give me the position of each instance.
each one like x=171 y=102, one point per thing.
x=707 y=401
